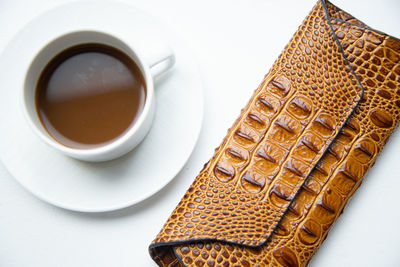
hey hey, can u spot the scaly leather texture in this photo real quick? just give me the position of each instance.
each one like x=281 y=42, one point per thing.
x=297 y=153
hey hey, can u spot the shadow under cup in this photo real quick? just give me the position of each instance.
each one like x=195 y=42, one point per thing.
x=94 y=145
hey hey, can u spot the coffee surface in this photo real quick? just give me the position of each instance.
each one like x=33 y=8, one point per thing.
x=89 y=95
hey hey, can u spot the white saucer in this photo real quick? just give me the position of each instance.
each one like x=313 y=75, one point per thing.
x=98 y=187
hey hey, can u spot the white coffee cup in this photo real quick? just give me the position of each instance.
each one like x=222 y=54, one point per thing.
x=158 y=60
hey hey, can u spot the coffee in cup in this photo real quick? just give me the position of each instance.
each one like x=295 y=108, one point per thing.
x=90 y=94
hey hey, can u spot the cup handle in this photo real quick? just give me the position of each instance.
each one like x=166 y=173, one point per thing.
x=160 y=60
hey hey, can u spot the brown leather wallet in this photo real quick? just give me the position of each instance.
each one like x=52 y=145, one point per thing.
x=297 y=152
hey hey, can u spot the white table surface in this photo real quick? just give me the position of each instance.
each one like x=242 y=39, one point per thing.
x=235 y=43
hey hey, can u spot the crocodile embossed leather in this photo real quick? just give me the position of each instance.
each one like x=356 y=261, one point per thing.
x=296 y=154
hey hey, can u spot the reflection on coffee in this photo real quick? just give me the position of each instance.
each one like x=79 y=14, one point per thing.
x=89 y=95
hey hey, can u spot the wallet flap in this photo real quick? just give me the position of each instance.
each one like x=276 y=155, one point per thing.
x=287 y=127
